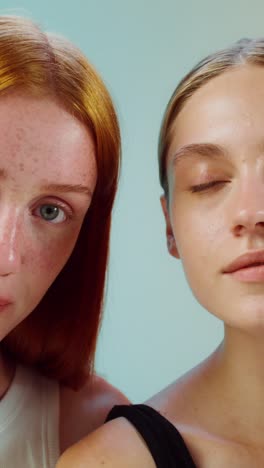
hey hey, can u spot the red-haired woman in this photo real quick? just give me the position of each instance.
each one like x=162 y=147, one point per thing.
x=211 y=159
x=59 y=163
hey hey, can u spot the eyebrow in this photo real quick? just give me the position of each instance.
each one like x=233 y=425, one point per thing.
x=207 y=150
x=60 y=188
x=66 y=188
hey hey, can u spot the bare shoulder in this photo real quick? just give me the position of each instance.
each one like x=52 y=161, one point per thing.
x=114 y=445
x=83 y=411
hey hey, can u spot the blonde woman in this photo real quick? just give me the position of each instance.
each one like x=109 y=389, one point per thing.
x=59 y=163
x=211 y=158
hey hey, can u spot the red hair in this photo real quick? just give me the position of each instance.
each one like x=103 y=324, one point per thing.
x=59 y=336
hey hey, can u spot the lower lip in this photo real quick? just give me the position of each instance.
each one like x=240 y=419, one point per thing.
x=253 y=274
x=4 y=306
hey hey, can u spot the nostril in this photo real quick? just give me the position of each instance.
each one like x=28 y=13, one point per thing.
x=241 y=229
x=238 y=229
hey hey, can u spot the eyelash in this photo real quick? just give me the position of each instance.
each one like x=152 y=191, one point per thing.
x=203 y=187
x=66 y=210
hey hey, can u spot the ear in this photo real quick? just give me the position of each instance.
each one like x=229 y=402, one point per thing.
x=171 y=243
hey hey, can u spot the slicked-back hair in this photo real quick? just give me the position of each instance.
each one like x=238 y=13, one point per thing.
x=244 y=51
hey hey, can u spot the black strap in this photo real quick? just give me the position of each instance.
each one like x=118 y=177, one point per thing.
x=163 y=440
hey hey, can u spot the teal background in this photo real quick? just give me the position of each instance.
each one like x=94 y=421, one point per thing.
x=153 y=328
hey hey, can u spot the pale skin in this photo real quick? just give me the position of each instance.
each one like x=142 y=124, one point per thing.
x=216 y=194
x=47 y=178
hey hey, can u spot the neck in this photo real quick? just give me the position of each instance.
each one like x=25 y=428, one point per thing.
x=237 y=368
x=241 y=358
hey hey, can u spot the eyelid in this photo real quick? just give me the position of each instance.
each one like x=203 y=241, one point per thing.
x=207 y=185
x=49 y=200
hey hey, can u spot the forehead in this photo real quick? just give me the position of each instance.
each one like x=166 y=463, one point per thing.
x=225 y=108
x=39 y=136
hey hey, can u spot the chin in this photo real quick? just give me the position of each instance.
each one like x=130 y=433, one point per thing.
x=247 y=320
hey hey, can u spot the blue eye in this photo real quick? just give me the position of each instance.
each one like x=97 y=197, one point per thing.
x=51 y=213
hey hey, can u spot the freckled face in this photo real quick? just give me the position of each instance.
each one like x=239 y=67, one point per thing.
x=47 y=177
x=216 y=192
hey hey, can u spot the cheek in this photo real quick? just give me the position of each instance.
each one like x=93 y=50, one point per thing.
x=198 y=249
x=46 y=258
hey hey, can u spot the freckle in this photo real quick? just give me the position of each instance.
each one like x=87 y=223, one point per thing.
x=14 y=150
x=21 y=167
x=19 y=133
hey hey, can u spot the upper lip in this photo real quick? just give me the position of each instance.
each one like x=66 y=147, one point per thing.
x=246 y=260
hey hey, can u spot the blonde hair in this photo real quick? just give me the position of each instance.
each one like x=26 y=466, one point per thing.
x=244 y=51
x=59 y=336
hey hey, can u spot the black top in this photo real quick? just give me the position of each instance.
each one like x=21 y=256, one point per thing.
x=163 y=440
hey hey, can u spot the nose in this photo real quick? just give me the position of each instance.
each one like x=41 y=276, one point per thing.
x=10 y=254
x=248 y=213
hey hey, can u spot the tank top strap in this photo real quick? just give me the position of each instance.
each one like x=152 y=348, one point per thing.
x=29 y=421
x=163 y=440
x=15 y=396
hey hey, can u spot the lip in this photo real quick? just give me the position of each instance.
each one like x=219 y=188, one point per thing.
x=247 y=267
x=247 y=260
x=5 y=301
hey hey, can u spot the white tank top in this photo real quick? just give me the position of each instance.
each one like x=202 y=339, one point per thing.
x=29 y=422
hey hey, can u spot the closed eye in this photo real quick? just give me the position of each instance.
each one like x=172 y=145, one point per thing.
x=207 y=186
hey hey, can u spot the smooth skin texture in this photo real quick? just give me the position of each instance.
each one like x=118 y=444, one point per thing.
x=47 y=177
x=216 y=195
